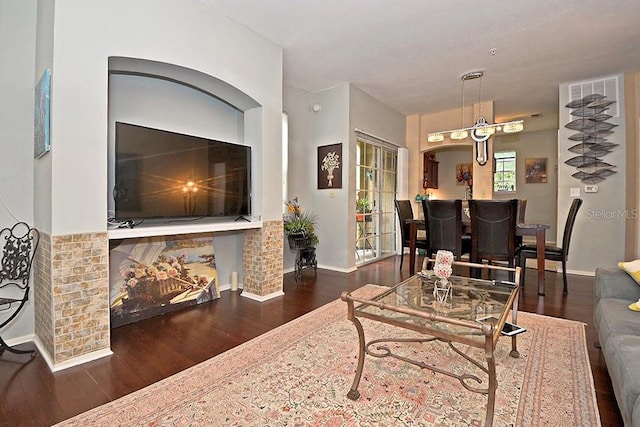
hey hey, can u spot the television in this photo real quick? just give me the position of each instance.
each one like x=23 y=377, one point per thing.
x=163 y=174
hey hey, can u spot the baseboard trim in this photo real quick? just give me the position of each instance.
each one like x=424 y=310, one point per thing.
x=70 y=363
x=261 y=298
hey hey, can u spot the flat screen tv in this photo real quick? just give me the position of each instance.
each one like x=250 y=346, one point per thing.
x=162 y=174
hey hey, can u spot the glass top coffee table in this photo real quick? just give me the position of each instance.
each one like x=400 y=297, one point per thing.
x=451 y=314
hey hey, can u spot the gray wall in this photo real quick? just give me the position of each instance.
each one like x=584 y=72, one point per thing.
x=343 y=108
x=162 y=104
x=65 y=191
x=541 y=198
x=599 y=233
x=17 y=81
x=302 y=154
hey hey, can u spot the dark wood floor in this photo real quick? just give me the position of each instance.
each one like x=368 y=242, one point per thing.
x=150 y=350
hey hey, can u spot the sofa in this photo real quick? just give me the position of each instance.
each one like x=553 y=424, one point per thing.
x=619 y=337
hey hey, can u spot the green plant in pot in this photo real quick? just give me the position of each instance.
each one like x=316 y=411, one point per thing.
x=363 y=205
x=300 y=226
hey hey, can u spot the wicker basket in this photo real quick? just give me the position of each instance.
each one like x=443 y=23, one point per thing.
x=299 y=242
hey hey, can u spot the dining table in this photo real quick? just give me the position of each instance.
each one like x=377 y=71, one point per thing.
x=522 y=229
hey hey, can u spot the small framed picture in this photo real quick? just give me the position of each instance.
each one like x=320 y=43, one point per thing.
x=330 y=166
x=535 y=170
x=464 y=174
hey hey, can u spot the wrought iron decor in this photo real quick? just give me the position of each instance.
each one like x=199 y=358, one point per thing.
x=590 y=120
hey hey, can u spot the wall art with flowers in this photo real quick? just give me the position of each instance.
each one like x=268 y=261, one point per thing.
x=330 y=166
x=155 y=275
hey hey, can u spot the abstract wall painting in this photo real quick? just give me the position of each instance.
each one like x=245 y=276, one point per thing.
x=41 y=131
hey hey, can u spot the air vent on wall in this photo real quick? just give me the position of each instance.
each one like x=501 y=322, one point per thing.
x=607 y=87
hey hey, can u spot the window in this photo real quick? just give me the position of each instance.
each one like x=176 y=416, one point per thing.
x=504 y=178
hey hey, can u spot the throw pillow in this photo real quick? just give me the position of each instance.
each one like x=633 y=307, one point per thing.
x=633 y=268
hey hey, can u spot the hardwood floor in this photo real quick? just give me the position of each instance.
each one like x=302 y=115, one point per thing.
x=147 y=351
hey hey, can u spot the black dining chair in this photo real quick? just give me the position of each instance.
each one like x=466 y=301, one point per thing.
x=493 y=230
x=554 y=253
x=522 y=210
x=443 y=223
x=405 y=212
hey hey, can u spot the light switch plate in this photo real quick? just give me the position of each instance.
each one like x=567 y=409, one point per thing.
x=590 y=188
x=574 y=192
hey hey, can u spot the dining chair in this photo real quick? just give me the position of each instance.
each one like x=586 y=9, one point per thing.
x=443 y=223
x=19 y=245
x=493 y=230
x=522 y=210
x=405 y=212
x=554 y=253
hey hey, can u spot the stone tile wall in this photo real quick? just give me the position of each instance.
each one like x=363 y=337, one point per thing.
x=79 y=295
x=42 y=293
x=71 y=286
x=262 y=259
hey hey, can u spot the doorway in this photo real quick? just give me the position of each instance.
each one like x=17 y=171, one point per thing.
x=376 y=174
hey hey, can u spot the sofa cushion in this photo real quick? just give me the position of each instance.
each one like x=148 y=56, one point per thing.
x=613 y=317
x=632 y=268
x=623 y=363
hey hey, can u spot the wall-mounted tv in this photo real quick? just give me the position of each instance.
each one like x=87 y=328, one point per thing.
x=162 y=174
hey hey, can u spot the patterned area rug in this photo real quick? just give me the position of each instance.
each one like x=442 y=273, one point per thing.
x=299 y=375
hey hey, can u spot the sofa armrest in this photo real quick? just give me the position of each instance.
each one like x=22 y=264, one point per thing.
x=615 y=283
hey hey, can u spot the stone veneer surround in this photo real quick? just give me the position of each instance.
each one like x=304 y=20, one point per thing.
x=71 y=287
x=72 y=295
x=262 y=265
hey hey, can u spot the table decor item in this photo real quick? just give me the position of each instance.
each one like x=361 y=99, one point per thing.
x=442 y=269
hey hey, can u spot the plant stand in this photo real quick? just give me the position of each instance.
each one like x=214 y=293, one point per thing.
x=305 y=254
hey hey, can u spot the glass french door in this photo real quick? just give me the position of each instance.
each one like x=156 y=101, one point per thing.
x=376 y=169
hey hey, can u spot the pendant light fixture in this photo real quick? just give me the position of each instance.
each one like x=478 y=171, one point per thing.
x=481 y=131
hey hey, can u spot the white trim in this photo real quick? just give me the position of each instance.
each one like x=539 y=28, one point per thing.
x=160 y=228
x=20 y=340
x=377 y=139
x=261 y=298
x=85 y=358
x=578 y=272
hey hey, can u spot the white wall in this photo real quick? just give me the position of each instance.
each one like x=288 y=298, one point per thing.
x=188 y=34
x=599 y=233
x=17 y=81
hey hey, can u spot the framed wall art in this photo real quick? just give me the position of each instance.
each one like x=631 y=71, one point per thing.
x=535 y=170
x=330 y=166
x=464 y=174
x=41 y=136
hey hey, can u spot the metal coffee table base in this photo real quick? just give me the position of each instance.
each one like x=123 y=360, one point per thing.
x=380 y=350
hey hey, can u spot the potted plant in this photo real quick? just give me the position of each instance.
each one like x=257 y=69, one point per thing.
x=363 y=206
x=300 y=227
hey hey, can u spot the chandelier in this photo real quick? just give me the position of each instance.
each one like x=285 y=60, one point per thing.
x=481 y=130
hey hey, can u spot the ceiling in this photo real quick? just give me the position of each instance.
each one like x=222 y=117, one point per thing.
x=411 y=54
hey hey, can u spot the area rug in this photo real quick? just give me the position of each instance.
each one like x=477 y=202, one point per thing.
x=299 y=375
